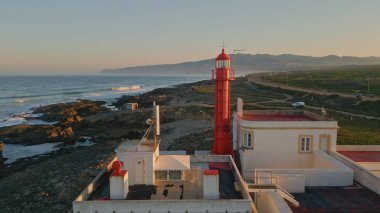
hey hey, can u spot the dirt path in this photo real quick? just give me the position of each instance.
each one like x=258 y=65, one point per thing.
x=181 y=128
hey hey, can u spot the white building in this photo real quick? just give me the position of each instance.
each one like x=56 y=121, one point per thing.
x=142 y=180
x=166 y=183
x=288 y=149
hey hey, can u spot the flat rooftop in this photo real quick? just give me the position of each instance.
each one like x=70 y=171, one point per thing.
x=281 y=115
x=337 y=199
x=362 y=156
x=278 y=117
x=144 y=145
x=189 y=188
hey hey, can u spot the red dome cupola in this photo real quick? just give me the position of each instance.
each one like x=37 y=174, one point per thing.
x=223 y=56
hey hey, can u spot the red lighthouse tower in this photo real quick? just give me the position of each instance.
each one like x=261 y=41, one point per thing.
x=222 y=133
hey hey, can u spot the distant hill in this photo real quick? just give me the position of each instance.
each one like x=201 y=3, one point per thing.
x=247 y=63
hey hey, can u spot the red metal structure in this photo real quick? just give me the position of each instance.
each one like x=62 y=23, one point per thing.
x=222 y=133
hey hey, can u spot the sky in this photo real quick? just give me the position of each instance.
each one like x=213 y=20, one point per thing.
x=86 y=36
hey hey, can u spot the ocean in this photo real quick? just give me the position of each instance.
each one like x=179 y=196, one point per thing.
x=20 y=94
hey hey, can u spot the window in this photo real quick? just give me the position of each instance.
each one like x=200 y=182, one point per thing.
x=175 y=175
x=168 y=175
x=305 y=144
x=161 y=175
x=248 y=139
x=223 y=64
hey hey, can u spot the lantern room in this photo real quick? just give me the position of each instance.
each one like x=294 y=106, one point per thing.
x=223 y=69
x=222 y=61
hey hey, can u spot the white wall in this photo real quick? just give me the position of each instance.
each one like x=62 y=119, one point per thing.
x=129 y=163
x=317 y=177
x=322 y=160
x=293 y=183
x=327 y=172
x=271 y=202
x=279 y=148
x=163 y=206
x=357 y=147
x=370 y=165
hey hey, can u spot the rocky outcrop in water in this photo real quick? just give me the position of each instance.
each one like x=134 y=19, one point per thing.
x=71 y=111
x=68 y=115
x=36 y=134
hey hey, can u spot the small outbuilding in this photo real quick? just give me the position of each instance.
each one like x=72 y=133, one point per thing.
x=130 y=106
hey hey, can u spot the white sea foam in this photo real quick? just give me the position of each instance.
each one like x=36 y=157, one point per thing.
x=15 y=151
x=22 y=119
x=21 y=101
x=87 y=142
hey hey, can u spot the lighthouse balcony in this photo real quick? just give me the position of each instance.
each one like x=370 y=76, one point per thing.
x=221 y=76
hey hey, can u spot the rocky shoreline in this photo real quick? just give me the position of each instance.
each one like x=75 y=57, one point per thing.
x=50 y=183
x=66 y=115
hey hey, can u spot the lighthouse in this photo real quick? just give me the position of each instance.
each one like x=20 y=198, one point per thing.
x=222 y=74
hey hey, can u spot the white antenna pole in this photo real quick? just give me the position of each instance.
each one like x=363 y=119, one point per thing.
x=157 y=124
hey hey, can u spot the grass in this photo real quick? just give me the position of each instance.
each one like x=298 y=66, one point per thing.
x=347 y=79
x=335 y=102
x=357 y=131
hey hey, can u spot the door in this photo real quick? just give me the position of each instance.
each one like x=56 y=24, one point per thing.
x=139 y=172
x=324 y=143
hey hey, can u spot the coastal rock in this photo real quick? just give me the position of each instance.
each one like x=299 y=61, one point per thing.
x=36 y=134
x=29 y=134
x=1 y=152
x=71 y=111
x=67 y=135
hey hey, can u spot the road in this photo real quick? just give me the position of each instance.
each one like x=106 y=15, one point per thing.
x=258 y=80
x=287 y=99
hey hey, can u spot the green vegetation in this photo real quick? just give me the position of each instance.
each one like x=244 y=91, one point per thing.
x=357 y=131
x=347 y=79
x=196 y=141
x=352 y=129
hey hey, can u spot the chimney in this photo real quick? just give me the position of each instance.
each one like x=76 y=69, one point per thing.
x=118 y=182
x=210 y=184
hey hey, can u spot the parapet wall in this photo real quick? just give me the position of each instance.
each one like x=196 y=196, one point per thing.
x=163 y=206
x=82 y=204
x=271 y=202
x=361 y=174
x=357 y=147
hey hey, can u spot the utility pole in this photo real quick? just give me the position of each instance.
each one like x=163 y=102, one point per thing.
x=368 y=85
x=236 y=51
x=287 y=78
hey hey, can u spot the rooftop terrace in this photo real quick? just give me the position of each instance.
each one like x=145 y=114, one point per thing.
x=362 y=156
x=189 y=188
x=172 y=196
x=277 y=118
x=281 y=115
